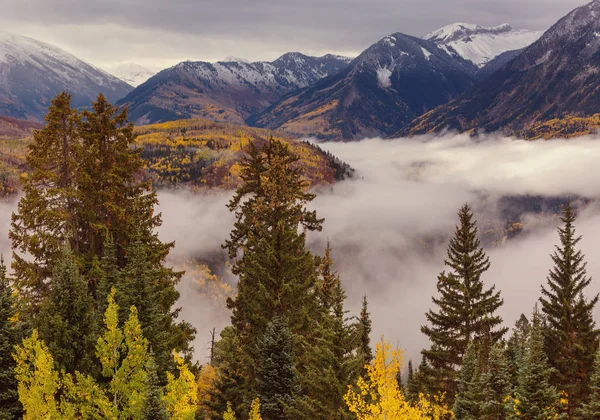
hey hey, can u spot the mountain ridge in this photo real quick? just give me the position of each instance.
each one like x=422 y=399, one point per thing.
x=33 y=72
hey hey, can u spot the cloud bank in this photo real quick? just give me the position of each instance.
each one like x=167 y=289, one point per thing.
x=389 y=227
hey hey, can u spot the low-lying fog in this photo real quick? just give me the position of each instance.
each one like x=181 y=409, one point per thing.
x=389 y=227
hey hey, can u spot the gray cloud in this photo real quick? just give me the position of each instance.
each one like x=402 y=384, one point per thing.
x=158 y=33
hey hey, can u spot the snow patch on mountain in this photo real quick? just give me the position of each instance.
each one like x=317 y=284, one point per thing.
x=384 y=75
x=426 y=53
x=480 y=44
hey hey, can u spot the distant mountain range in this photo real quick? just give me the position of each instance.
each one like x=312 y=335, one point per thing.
x=393 y=81
x=463 y=77
x=32 y=73
x=557 y=76
x=227 y=91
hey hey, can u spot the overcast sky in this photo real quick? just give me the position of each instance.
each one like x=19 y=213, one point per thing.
x=160 y=33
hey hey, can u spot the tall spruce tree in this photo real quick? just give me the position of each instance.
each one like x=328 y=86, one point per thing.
x=412 y=389
x=516 y=346
x=148 y=288
x=337 y=359
x=67 y=318
x=278 y=385
x=571 y=338
x=466 y=310
x=466 y=406
x=11 y=334
x=277 y=274
x=591 y=408
x=535 y=397
x=38 y=236
x=495 y=384
x=364 y=350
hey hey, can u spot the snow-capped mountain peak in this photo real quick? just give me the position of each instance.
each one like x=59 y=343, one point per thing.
x=131 y=73
x=480 y=44
x=456 y=31
x=33 y=72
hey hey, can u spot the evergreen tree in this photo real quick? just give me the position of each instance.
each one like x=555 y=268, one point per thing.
x=365 y=352
x=466 y=406
x=495 y=385
x=154 y=407
x=67 y=318
x=412 y=389
x=516 y=347
x=39 y=236
x=535 y=397
x=591 y=409
x=465 y=308
x=148 y=288
x=572 y=336
x=11 y=333
x=337 y=361
x=278 y=383
x=277 y=274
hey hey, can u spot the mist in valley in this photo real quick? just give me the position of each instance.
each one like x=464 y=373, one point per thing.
x=389 y=226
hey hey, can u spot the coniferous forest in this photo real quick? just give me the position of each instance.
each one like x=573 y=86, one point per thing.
x=90 y=326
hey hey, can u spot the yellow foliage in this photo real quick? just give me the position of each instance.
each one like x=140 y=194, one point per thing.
x=229 y=414
x=181 y=396
x=38 y=381
x=255 y=410
x=379 y=396
x=206 y=387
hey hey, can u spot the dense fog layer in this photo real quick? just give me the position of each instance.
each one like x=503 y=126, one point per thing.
x=389 y=226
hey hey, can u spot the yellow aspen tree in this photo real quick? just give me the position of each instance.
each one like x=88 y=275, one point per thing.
x=38 y=382
x=229 y=414
x=378 y=396
x=181 y=397
x=255 y=410
x=206 y=389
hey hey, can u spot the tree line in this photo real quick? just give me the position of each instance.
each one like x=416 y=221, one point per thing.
x=89 y=326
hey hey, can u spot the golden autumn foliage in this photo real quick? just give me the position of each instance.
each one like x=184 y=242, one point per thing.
x=207 y=154
x=181 y=395
x=38 y=381
x=229 y=414
x=206 y=390
x=567 y=127
x=255 y=410
x=379 y=397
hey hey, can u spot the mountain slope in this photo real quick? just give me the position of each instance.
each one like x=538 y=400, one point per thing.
x=32 y=73
x=481 y=44
x=389 y=84
x=229 y=91
x=556 y=76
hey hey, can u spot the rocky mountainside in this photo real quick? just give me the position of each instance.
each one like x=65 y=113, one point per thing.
x=481 y=44
x=32 y=73
x=557 y=76
x=228 y=91
x=393 y=81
